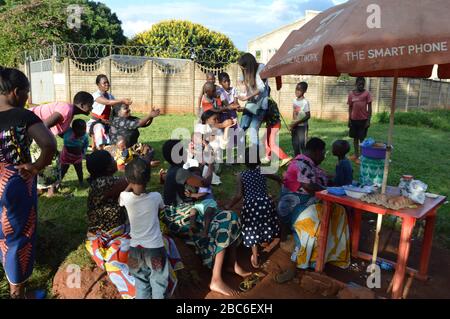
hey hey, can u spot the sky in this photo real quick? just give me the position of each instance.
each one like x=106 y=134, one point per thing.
x=240 y=20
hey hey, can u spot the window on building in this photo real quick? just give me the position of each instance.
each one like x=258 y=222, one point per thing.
x=258 y=54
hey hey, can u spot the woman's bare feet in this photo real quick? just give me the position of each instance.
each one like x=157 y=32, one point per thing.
x=238 y=270
x=222 y=288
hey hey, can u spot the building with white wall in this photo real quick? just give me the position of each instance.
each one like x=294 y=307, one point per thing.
x=265 y=46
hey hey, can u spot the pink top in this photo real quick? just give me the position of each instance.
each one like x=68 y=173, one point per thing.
x=359 y=102
x=46 y=110
x=303 y=170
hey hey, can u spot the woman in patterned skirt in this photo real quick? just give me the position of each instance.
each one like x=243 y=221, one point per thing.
x=18 y=195
x=224 y=229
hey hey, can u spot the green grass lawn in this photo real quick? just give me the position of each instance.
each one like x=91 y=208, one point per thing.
x=421 y=152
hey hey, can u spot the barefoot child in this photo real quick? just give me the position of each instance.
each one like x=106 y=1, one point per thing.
x=205 y=205
x=259 y=216
x=360 y=114
x=76 y=143
x=302 y=113
x=147 y=259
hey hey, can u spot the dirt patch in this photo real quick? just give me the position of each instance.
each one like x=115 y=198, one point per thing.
x=94 y=284
x=436 y=287
x=335 y=283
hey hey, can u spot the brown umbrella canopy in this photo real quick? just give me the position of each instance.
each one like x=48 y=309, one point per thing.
x=370 y=38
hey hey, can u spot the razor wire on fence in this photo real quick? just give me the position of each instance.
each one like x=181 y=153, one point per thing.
x=92 y=53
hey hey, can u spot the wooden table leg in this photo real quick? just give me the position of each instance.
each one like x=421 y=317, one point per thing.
x=403 y=254
x=426 y=245
x=356 y=232
x=323 y=236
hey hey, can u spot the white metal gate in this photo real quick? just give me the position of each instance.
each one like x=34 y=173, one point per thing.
x=42 y=88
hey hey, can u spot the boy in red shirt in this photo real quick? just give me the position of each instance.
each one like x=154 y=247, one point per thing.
x=360 y=114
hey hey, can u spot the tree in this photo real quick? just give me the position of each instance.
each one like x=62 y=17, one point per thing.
x=187 y=40
x=29 y=24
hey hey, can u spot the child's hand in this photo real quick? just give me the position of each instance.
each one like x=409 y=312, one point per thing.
x=228 y=123
x=188 y=194
x=127 y=101
x=291 y=127
x=155 y=113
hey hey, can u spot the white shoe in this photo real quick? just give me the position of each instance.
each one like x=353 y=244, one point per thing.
x=265 y=160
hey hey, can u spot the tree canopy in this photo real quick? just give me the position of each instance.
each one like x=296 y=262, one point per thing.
x=29 y=24
x=187 y=40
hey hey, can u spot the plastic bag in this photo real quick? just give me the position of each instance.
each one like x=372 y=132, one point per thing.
x=368 y=142
x=416 y=191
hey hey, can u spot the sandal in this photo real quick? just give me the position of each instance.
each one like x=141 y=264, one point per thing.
x=250 y=282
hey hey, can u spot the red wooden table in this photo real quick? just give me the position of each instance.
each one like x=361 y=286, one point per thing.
x=428 y=211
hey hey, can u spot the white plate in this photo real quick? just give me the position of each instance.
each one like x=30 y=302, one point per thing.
x=429 y=195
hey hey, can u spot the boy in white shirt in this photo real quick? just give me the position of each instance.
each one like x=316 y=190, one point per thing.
x=147 y=259
x=301 y=115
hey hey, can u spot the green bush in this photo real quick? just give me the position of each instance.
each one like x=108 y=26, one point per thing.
x=437 y=119
x=187 y=40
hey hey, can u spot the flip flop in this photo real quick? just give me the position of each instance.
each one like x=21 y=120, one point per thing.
x=250 y=282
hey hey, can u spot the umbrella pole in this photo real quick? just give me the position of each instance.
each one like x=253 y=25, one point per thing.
x=386 y=168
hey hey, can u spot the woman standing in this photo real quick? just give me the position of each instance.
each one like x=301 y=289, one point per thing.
x=256 y=97
x=224 y=229
x=18 y=195
x=57 y=117
x=99 y=125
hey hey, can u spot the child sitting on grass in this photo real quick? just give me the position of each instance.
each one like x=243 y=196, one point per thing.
x=344 y=170
x=205 y=206
x=147 y=259
x=124 y=155
x=76 y=143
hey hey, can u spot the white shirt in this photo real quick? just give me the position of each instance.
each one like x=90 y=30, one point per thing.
x=301 y=107
x=143 y=213
x=98 y=108
x=228 y=96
